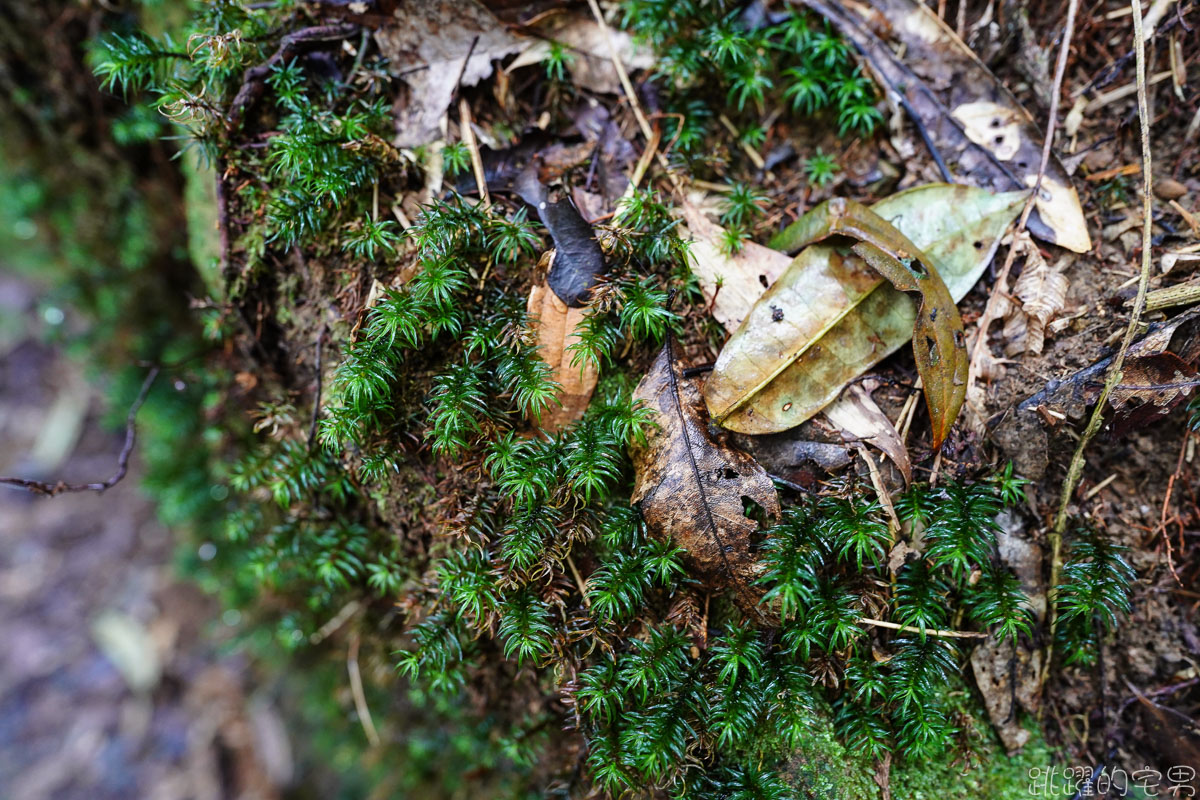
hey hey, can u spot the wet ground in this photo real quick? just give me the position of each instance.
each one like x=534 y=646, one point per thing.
x=113 y=681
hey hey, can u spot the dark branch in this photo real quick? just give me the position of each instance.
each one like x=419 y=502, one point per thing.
x=255 y=79
x=316 y=410
x=52 y=489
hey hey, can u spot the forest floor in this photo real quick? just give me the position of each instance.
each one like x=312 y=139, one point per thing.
x=113 y=683
x=1031 y=399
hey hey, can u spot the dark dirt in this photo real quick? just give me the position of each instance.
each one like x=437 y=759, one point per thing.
x=176 y=720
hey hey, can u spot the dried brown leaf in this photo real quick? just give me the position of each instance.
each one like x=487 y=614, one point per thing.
x=1151 y=387
x=1175 y=735
x=1042 y=290
x=589 y=59
x=857 y=414
x=428 y=49
x=694 y=488
x=555 y=325
x=731 y=284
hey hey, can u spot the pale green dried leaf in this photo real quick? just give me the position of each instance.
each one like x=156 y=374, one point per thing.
x=831 y=316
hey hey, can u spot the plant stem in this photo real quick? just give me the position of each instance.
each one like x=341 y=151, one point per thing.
x=1078 y=460
x=879 y=623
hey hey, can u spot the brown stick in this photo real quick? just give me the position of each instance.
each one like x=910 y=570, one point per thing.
x=59 y=487
x=622 y=75
x=468 y=138
x=356 y=689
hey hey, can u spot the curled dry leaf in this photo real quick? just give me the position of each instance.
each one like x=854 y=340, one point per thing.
x=975 y=129
x=857 y=415
x=555 y=324
x=830 y=316
x=696 y=489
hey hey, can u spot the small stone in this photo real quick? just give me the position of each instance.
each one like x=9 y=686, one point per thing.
x=1168 y=189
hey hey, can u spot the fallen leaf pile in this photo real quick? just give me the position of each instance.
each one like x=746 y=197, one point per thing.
x=975 y=129
x=831 y=316
x=444 y=44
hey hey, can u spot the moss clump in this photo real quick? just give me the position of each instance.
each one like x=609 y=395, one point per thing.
x=399 y=488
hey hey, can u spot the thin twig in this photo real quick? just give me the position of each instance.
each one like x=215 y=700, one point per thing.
x=1113 y=378
x=463 y=69
x=360 y=697
x=579 y=582
x=468 y=137
x=634 y=104
x=1166 y=507
x=881 y=491
x=59 y=487
x=991 y=311
x=878 y=623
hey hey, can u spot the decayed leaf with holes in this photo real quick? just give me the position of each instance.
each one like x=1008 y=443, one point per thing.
x=693 y=487
x=555 y=324
x=995 y=665
x=978 y=131
x=831 y=316
x=1151 y=387
x=733 y=283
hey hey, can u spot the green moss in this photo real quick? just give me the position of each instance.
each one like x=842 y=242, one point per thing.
x=514 y=554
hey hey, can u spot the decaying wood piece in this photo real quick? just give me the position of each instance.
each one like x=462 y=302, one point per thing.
x=695 y=488
x=1159 y=374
